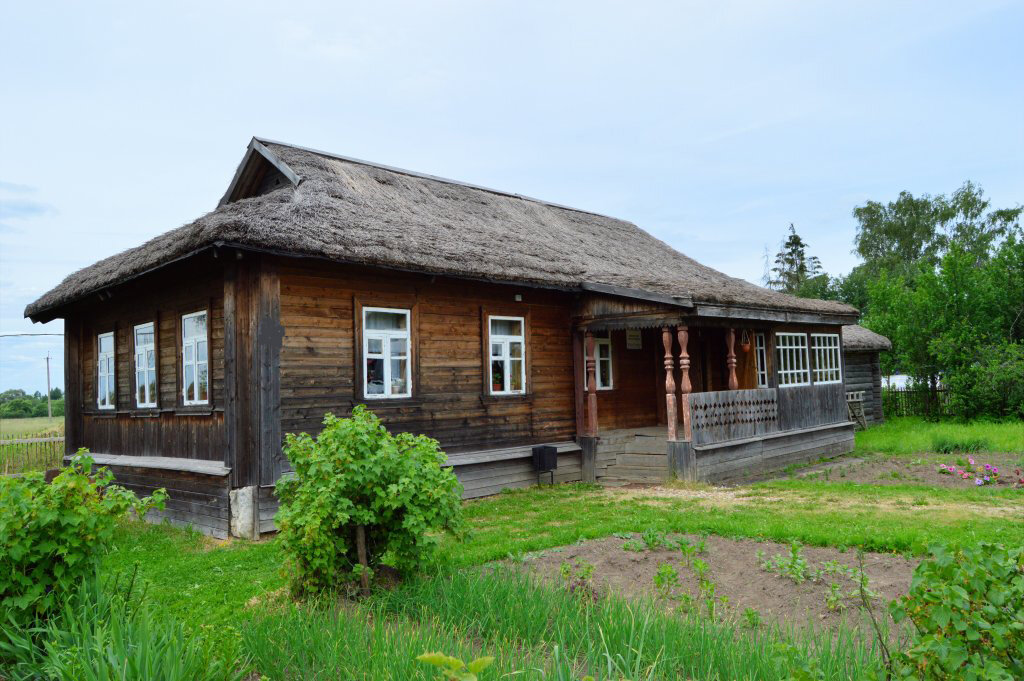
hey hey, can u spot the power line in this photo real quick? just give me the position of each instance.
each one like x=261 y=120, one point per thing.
x=10 y=335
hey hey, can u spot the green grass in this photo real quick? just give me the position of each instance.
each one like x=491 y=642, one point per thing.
x=523 y=623
x=40 y=426
x=916 y=436
x=540 y=518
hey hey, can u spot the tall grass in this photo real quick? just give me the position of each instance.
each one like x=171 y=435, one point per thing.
x=534 y=630
x=911 y=435
x=101 y=635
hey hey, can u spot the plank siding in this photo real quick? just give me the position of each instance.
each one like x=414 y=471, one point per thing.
x=319 y=365
x=171 y=429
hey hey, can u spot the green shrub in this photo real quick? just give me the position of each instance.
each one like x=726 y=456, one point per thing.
x=100 y=634
x=53 y=535
x=967 y=609
x=944 y=444
x=992 y=385
x=356 y=473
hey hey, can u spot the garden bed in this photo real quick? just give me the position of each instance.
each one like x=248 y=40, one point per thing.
x=738 y=575
x=923 y=470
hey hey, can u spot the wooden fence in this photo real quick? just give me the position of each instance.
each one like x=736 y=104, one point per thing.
x=915 y=402
x=24 y=455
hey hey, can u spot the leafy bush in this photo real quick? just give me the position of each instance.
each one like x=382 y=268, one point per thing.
x=52 y=535
x=98 y=633
x=968 y=612
x=992 y=385
x=355 y=473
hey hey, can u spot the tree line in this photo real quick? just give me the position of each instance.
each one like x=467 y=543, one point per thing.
x=943 y=278
x=17 y=404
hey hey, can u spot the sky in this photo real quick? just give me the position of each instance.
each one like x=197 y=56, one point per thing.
x=711 y=125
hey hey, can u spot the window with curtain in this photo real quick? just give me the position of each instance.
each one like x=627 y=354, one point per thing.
x=145 y=366
x=507 y=355
x=386 y=366
x=106 y=388
x=195 y=363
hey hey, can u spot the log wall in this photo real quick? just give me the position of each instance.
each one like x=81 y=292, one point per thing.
x=864 y=372
x=321 y=371
x=171 y=429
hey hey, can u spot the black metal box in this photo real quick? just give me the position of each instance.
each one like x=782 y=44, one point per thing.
x=545 y=458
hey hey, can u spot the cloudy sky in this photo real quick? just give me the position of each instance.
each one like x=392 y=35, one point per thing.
x=712 y=125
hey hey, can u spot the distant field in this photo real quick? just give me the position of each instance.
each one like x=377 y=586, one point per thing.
x=30 y=456
x=34 y=426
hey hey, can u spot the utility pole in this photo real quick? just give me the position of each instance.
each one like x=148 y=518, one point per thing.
x=49 y=406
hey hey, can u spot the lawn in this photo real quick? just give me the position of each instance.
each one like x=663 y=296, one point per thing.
x=478 y=598
x=41 y=426
x=916 y=436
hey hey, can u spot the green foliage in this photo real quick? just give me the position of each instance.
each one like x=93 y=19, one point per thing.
x=666 y=579
x=992 y=385
x=52 y=536
x=99 y=633
x=455 y=669
x=355 y=473
x=17 y=404
x=967 y=608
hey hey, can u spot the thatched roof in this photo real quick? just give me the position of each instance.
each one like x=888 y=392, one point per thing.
x=856 y=337
x=356 y=212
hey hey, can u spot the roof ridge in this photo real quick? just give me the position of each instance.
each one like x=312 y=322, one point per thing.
x=435 y=178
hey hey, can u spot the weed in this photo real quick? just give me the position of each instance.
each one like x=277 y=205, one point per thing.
x=653 y=539
x=634 y=545
x=751 y=618
x=945 y=444
x=666 y=579
x=834 y=597
x=577 y=577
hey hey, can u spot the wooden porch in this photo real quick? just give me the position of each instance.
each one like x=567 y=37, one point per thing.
x=718 y=412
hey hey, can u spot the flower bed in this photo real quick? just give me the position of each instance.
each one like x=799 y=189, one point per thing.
x=979 y=474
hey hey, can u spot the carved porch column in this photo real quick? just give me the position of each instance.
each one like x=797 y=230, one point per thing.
x=591 y=365
x=685 y=387
x=730 y=358
x=588 y=443
x=671 y=412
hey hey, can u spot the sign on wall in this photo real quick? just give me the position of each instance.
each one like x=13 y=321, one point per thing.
x=633 y=339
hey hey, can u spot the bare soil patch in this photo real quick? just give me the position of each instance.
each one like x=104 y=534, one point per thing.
x=910 y=471
x=733 y=568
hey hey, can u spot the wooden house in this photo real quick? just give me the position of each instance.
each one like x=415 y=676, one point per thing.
x=861 y=354
x=490 y=321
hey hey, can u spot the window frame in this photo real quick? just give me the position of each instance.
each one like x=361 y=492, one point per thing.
x=599 y=342
x=762 y=372
x=111 y=375
x=154 y=402
x=185 y=401
x=784 y=361
x=821 y=353
x=506 y=357
x=385 y=355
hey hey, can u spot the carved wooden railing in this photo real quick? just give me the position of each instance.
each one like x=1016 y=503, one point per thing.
x=733 y=414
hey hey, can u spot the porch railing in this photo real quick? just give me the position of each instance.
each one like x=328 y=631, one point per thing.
x=732 y=415
x=737 y=414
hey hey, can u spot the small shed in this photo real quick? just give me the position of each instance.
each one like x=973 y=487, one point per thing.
x=861 y=349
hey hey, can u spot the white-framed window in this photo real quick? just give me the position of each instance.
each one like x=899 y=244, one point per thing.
x=195 y=362
x=791 y=357
x=761 y=359
x=386 y=365
x=106 y=388
x=507 y=355
x=602 y=365
x=828 y=363
x=145 y=366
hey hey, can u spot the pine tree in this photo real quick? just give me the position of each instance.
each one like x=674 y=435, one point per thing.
x=793 y=268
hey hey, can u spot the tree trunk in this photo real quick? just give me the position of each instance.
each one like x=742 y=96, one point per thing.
x=364 y=576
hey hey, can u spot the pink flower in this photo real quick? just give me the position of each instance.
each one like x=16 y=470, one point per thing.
x=970 y=461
